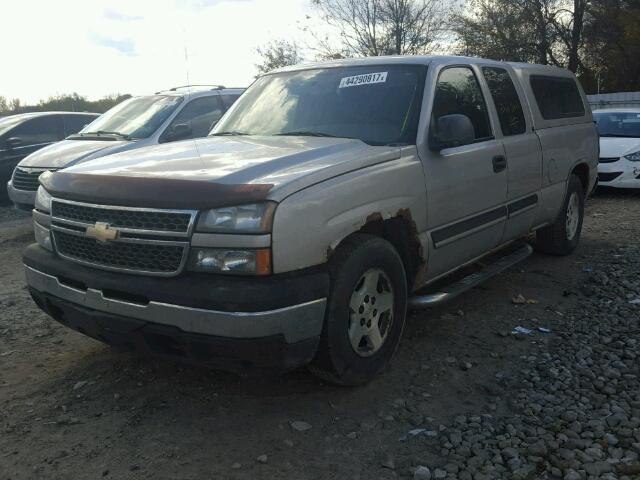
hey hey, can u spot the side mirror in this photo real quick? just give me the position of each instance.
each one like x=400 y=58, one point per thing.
x=13 y=142
x=452 y=131
x=180 y=131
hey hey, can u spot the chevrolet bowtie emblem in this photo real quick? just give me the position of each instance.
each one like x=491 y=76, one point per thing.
x=102 y=232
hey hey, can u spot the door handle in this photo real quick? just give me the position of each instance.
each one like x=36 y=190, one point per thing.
x=499 y=163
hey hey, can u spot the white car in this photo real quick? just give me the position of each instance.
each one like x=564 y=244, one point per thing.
x=619 y=147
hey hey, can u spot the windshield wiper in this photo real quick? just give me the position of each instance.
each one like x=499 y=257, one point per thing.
x=105 y=132
x=231 y=133
x=305 y=133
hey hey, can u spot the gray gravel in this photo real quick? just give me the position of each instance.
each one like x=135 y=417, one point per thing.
x=575 y=407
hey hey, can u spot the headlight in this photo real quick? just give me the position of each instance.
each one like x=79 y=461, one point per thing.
x=219 y=260
x=43 y=200
x=633 y=157
x=254 y=218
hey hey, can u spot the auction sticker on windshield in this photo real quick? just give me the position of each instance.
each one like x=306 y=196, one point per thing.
x=365 y=79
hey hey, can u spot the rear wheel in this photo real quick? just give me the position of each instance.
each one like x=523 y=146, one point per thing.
x=365 y=313
x=562 y=237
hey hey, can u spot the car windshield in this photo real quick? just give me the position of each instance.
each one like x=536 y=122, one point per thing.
x=377 y=104
x=136 y=118
x=8 y=123
x=618 y=124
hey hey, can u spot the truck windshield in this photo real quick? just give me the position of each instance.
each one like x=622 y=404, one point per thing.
x=618 y=124
x=135 y=118
x=379 y=104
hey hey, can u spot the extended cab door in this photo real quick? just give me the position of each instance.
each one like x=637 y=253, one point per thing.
x=466 y=184
x=523 y=152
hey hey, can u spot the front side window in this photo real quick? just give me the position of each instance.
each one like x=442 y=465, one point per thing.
x=458 y=93
x=199 y=115
x=557 y=97
x=229 y=99
x=505 y=98
x=39 y=130
x=75 y=123
x=618 y=124
x=137 y=117
x=377 y=104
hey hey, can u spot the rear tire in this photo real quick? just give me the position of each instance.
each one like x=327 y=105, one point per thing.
x=562 y=236
x=365 y=313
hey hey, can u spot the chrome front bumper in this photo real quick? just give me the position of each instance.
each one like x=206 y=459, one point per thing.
x=22 y=198
x=295 y=322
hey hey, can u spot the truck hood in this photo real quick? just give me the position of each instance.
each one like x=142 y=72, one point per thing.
x=70 y=152
x=614 y=147
x=214 y=171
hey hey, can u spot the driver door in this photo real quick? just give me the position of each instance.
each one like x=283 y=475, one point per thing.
x=466 y=184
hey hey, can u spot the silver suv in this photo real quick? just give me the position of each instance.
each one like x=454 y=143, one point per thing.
x=176 y=114
x=327 y=200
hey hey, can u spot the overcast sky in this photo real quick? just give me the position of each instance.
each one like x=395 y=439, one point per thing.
x=100 y=47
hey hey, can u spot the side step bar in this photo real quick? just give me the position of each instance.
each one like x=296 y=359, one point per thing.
x=452 y=290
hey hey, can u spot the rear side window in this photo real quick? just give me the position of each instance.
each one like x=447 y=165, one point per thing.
x=458 y=92
x=75 y=123
x=505 y=98
x=229 y=99
x=557 y=97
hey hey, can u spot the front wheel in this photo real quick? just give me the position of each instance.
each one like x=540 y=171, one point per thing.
x=365 y=313
x=562 y=236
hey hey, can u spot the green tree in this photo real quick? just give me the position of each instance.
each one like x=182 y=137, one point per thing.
x=277 y=54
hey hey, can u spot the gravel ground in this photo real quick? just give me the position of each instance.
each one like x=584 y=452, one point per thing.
x=464 y=399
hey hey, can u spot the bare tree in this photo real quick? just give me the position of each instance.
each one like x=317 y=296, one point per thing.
x=278 y=53
x=382 y=27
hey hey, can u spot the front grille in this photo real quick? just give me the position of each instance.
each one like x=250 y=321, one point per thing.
x=138 y=257
x=156 y=220
x=147 y=241
x=608 y=176
x=609 y=159
x=27 y=180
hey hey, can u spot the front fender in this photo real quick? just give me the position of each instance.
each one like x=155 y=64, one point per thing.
x=311 y=223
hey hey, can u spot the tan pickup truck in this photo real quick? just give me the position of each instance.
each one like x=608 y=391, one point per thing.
x=329 y=199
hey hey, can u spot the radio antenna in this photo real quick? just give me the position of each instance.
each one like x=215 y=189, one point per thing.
x=186 y=59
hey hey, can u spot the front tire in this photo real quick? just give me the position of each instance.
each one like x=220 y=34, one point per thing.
x=562 y=236
x=365 y=313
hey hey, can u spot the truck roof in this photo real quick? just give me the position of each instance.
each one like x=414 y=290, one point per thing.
x=424 y=60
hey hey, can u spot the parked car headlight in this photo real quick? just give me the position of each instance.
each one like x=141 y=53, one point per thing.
x=254 y=218
x=230 y=261
x=633 y=157
x=43 y=200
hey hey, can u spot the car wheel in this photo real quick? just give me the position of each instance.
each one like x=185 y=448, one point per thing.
x=562 y=236
x=365 y=313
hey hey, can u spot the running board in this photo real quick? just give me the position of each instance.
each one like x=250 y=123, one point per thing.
x=452 y=290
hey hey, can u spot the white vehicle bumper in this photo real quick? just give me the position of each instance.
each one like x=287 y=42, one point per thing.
x=23 y=199
x=620 y=174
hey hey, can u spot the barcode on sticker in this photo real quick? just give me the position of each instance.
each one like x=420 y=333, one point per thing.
x=364 y=79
